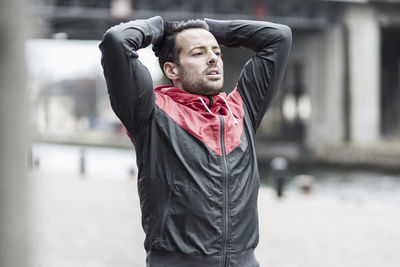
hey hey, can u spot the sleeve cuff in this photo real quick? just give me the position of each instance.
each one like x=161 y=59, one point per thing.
x=220 y=29
x=157 y=28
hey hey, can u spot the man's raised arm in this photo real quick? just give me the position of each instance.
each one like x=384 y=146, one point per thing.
x=129 y=83
x=262 y=75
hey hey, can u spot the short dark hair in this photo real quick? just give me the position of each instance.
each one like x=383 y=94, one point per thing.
x=166 y=51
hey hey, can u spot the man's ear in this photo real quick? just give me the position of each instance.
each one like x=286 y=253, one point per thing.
x=171 y=71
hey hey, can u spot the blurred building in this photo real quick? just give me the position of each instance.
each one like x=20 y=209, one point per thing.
x=342 y=83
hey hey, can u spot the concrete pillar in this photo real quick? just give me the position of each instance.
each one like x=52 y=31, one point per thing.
x=325 y=80
x=13 y=132
x=364 y=74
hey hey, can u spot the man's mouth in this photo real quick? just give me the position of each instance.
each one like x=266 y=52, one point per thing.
x=213 y=74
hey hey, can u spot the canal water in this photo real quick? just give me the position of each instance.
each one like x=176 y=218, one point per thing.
x=362 y=185
x=355 y=184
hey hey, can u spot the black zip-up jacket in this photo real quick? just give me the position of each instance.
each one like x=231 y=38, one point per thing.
x=198 y=179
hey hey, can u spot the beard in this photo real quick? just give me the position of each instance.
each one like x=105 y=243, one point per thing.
x=198 y=84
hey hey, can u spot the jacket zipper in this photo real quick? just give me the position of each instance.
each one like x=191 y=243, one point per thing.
x=225 y=196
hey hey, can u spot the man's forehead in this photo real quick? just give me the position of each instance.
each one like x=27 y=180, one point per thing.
x=190 y=38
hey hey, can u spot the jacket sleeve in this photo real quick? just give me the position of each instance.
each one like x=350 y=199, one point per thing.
x=129 y=83
x=262 y=74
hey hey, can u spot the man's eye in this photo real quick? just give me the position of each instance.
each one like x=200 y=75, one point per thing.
x=218 y=53
x=198 y=54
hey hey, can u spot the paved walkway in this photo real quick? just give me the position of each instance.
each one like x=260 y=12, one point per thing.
x=95 y=222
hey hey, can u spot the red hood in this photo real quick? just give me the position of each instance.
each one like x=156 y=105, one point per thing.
x=188 y=111
x=192 y=100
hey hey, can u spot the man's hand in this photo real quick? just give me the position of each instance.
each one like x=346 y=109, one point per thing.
x=168 y=30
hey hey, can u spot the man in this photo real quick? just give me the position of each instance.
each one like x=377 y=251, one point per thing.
x=198 y=179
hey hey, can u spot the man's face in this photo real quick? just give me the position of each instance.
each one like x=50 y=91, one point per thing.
x=201 y=67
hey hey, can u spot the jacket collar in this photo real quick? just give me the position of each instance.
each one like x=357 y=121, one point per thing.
x=193 y=100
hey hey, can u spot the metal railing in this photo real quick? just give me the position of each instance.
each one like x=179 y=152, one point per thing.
x=276 y=8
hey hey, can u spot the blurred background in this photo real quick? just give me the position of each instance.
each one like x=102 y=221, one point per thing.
x=328 y=148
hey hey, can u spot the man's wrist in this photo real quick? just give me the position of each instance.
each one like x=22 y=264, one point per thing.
x=219 y=28
x=157 y=28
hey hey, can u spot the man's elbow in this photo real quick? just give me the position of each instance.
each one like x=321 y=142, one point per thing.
x=110 y=38
x=285 y=34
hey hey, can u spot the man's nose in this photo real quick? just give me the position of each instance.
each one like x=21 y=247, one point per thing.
x=213 y=58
